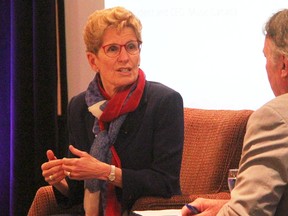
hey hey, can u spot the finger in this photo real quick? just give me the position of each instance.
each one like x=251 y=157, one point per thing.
x=50 y=155
x=52 y=170
x=185 y=211
x=50 y=179
x=50 y=164
x=54 y=178
x=198 y=202
x=67 y=173
x=55 y=171
x=76 y=151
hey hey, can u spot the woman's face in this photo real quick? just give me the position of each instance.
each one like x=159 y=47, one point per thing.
x=118 y=71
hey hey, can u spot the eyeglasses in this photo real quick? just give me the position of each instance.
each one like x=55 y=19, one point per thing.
x=114 y=50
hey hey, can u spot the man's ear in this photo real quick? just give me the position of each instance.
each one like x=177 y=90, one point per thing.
x=92 y=60
x=284 y=70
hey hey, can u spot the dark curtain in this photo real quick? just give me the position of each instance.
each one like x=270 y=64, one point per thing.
x=33 y=114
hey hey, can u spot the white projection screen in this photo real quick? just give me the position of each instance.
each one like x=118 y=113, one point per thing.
x=209 y=51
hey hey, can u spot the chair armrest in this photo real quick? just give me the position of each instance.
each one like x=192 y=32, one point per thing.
x=175 y=202
x=220 y=195
x=156 y=203
x=44 y=204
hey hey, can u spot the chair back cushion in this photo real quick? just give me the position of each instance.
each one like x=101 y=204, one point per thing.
x=213 y=142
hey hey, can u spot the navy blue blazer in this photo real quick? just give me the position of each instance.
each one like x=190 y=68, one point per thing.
x=149 y=145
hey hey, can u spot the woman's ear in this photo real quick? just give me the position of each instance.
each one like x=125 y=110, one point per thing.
x=92 y=60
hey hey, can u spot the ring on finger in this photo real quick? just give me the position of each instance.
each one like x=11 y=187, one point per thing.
x=68 y=174
x=51 y=177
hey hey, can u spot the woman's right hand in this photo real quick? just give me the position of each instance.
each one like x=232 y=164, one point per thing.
x=52 y=169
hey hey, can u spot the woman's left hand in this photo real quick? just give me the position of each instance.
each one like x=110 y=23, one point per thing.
x=84 y=167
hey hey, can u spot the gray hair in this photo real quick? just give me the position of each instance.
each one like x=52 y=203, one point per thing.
x=277 y=30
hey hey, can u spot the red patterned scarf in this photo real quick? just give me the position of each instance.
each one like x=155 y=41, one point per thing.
x=113 y=111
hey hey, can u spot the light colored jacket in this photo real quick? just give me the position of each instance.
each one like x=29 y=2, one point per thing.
x=261 y=187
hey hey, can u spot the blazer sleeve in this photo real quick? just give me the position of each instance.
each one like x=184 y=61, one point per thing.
x=262 y=176
x=80 y=123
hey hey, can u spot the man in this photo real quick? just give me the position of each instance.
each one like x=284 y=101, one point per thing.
x=262 y=182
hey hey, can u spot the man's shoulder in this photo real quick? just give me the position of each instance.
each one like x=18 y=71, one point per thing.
x=277 y=106
x=279 y=103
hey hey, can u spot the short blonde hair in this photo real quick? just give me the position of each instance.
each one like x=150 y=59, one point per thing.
x=100 y=20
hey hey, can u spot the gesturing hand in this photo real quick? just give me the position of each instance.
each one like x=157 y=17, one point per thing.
x=84 y=167
x=52 y=170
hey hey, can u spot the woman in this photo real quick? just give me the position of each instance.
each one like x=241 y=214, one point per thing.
x=126 y=133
